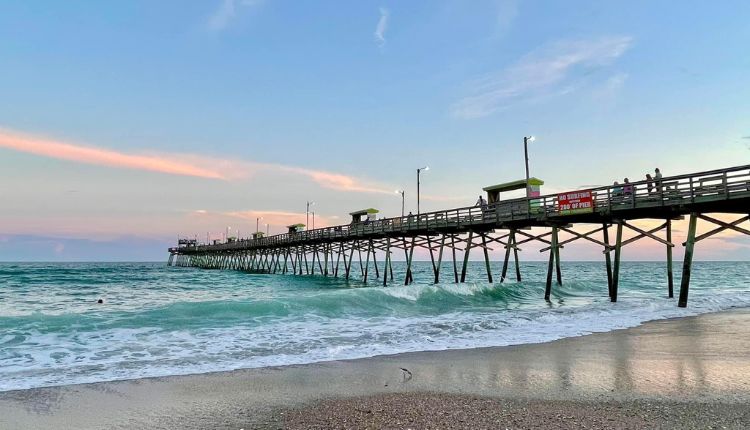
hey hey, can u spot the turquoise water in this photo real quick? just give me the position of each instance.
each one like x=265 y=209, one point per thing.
x=157 y=320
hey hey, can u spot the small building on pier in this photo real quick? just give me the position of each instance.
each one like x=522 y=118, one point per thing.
x=515 y=206
x=294 y=228
x=493 y=191
x=369 y=215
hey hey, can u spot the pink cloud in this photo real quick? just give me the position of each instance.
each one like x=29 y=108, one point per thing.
x=335 y=181
x=177 y=164
x=102 y=157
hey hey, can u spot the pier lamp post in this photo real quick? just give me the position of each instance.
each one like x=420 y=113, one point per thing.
x=402 y=201
x=313 y=224
x=425 y=168
x=257 y=223
x=268 y=228
x=307 y=214
x=526 y=141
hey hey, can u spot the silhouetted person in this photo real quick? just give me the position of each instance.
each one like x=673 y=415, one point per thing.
x=657 y=179
x=481 y=202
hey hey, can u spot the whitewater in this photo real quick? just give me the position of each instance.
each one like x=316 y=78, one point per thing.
x=158 y=320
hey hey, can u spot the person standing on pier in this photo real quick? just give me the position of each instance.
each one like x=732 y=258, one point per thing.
x=649 y=182
x=627 y=187
x=617 y=189
x=657 y=179
x=482 y=203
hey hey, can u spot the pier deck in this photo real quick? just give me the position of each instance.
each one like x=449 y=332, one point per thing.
x=506 y=222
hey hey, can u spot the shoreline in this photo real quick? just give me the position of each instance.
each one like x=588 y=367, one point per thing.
x=701 y=360
x=376 y=356
x=572 y=332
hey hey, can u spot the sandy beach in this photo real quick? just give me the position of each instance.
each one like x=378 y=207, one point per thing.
x=692 y=372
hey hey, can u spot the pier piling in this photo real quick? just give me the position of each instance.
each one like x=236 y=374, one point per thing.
x=687 y=264
x=616 y=269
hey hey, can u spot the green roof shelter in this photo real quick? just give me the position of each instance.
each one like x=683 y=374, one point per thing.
x=294 y=228
x=369 y=213
x=493 y=191
x=258 y=235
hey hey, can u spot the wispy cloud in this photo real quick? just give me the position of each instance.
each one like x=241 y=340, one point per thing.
x=221 y=17
x=616 y=81
x=507 y=11
x=545 y=70
x=102 y=157
x=227 y=11
x=180 y=164
x=334 y=181
x=382 y=26
x=611 y=87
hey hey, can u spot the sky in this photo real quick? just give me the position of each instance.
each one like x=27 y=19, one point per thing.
x=126 y=124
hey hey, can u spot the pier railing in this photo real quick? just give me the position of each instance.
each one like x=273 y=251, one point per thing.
x=714 y=185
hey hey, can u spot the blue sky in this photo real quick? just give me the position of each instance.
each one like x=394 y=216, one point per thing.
x=339 y=102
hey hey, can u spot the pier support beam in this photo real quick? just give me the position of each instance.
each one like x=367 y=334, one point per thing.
x=367 y=262
x=616 y=271
x=409 y=258
x=466 y=256
x=432 y=256
x=607 y=258
x=338 y=259
x=688 y=261
x=455 y=267
x=508 y=247
x=387 y=261
x=349 y=266
x=552 y=256
x=515 y=258
x=486 y=258
x=374 y=260
x=440 y=260
x=556 y=249
x=359 y=255
x=670 y=276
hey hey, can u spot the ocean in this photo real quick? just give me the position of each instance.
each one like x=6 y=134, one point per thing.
x=158 y=320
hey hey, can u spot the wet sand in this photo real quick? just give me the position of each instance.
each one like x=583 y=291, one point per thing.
x=684 y=373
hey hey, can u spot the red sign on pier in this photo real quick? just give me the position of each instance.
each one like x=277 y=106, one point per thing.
x=575 y=202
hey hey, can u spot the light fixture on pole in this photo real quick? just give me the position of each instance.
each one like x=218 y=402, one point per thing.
x=526 y=140
x=402 y=201
x=257 y=223
x=425 y=168
x=307 y=214
x=313 y=224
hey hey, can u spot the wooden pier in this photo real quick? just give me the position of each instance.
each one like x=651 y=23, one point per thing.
x=334 y=251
